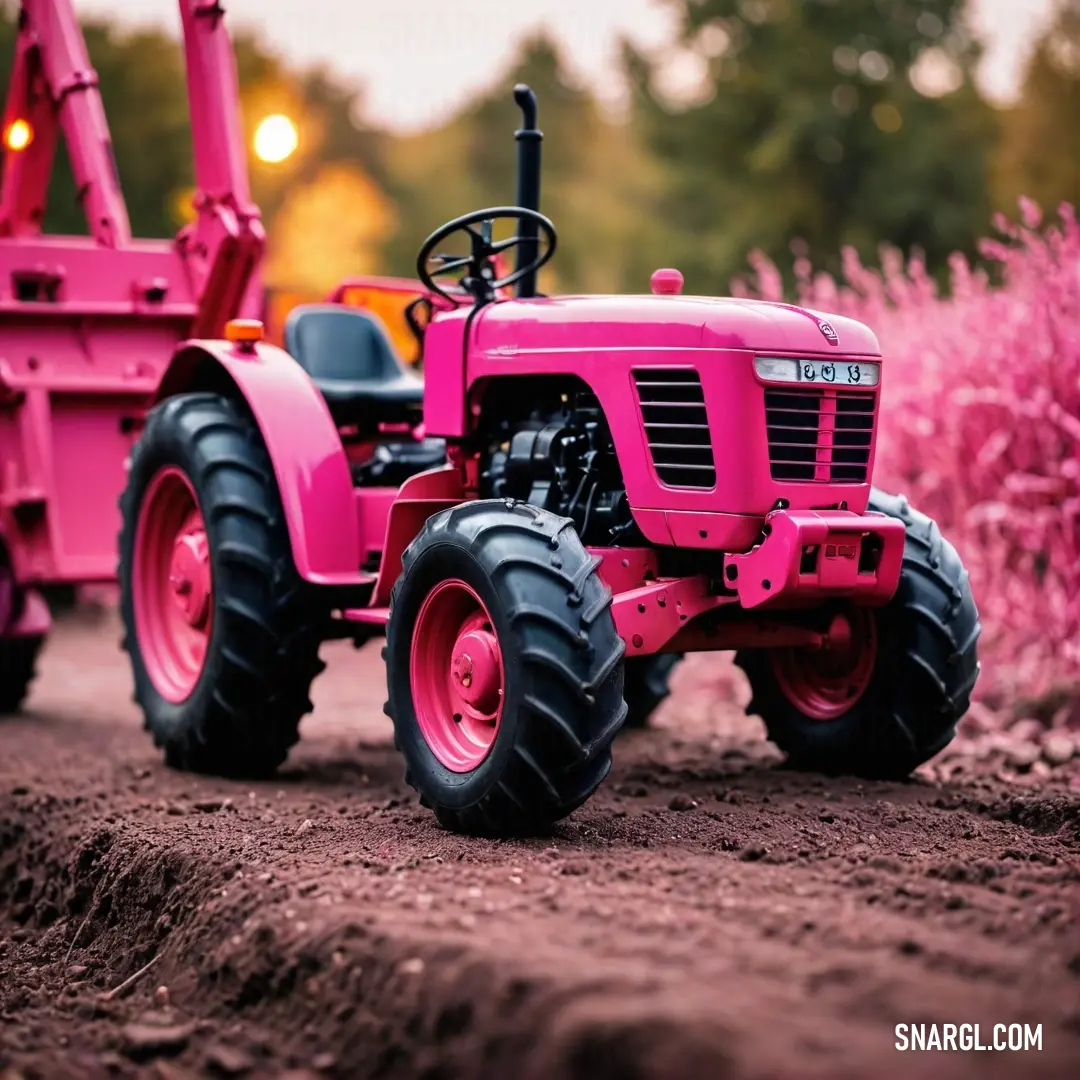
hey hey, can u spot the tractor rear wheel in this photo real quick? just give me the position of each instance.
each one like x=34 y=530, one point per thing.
x=647 y=687
x=18 y=655
x=504 y=668
x=887 y=698
x=223 y=646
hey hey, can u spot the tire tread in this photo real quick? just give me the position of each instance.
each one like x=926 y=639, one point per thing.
x=936 y=668
x=251 y=719
x=572 y=702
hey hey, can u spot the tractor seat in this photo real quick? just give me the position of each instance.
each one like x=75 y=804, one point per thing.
x=350 y=358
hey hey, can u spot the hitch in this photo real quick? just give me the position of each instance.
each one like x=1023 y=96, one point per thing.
x=806 y=556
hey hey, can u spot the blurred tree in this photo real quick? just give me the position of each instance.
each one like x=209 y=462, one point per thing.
x=142 y=83
x=829 y=121
x=327 y=114
x=1040 y=147
x=833 y=121
x=141 y=78
x=328 y=229
x=595 y=174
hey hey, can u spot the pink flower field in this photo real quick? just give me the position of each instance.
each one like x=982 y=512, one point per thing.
x=981 y=430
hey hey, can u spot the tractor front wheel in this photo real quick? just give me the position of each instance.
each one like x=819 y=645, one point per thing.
x=504 y=668
x=888 y=691
x=223 y=647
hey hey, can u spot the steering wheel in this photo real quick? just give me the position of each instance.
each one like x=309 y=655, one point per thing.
x=478 y=267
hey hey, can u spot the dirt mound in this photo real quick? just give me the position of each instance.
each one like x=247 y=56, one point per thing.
x=708 y=914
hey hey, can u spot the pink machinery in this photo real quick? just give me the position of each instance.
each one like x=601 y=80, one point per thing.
x=88 y=324
x=581 y=487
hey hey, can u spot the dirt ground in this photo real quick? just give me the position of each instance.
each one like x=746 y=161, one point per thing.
x=708 y=915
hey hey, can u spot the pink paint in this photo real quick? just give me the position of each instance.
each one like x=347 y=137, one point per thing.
x=622 y=569
x=809 y=556
x=368 y=616
x=95 y=329
x=310 y=464
x=707 y=529
x=171 y=585
x=88 y=323
x=372 y=513
x=612 y=343
x=663 y=616
x=666 y=282
x=825 y=683
x=456 y=672
x=64 y=437
x=444 y=392
x=647 y=618
x=420 y=497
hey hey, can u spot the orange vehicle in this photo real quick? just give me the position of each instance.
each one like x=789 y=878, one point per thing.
x=386 y=297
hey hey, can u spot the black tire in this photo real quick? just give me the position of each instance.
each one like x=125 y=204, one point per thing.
x=243 y=714
x=647 y=686
x=926 y=668
x=18 y=667
x=563 y=696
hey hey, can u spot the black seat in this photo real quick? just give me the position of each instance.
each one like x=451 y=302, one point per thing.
x=350 y=358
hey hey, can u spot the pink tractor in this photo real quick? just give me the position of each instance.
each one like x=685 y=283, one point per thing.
x=581 y=486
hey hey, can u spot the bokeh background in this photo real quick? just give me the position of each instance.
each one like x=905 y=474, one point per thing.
x=913 y=163
x=689 y=131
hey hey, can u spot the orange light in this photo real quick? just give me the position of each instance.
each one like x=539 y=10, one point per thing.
x=244 y=330
x=276 y=139
x=19 y=135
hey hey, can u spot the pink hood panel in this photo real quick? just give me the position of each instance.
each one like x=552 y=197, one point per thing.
x=658 y=322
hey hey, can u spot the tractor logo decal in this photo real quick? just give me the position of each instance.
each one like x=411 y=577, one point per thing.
x=829 y=333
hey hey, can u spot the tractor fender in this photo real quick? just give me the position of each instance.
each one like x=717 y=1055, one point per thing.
x=301 y=439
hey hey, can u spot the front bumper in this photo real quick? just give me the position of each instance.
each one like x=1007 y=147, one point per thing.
x=807 y=556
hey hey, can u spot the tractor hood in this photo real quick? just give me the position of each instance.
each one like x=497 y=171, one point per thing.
x=659 y=322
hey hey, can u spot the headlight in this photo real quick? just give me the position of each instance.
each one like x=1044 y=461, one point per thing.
x=817 y=372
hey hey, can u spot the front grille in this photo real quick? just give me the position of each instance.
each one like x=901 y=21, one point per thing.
x=676 y=426
x=820 y=436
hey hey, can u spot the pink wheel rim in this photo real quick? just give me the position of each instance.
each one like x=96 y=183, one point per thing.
x=457 y=677
x=172 y=588
x=825 y=683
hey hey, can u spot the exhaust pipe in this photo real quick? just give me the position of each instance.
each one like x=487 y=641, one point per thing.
x=528 y=137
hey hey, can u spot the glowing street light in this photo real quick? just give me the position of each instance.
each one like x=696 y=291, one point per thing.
x=19 y=135
x=275 y=138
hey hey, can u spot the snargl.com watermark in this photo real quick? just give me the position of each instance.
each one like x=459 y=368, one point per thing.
x=1015 y=1037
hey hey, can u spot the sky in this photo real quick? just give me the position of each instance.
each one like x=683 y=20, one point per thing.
x=418 y=60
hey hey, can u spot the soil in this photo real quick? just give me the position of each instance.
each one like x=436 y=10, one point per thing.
x=708 y=914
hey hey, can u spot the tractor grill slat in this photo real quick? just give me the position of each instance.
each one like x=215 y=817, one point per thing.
x=819 y=436
x=677 y=427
